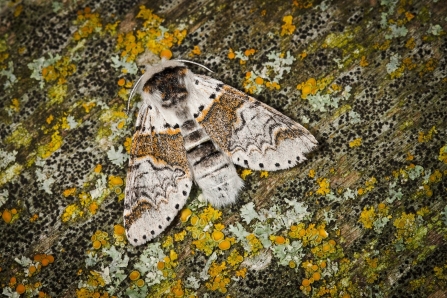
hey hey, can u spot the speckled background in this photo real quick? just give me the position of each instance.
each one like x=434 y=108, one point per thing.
x=365 y=216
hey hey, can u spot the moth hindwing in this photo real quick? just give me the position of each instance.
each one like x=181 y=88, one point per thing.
x=195 y=128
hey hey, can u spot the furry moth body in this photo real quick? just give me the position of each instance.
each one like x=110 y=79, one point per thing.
x=195 y=128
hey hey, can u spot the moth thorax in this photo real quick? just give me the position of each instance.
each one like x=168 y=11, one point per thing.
x=169 y=86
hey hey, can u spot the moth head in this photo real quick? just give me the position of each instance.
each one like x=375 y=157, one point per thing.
x=165 y=81
x=151 y=77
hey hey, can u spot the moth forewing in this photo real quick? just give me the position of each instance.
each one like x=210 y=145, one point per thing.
x=196 y=129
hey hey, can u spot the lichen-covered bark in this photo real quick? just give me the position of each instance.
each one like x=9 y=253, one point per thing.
x=365 y=215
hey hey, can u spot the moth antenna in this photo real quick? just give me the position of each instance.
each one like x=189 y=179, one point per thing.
x=192 y=62
x=132 y=93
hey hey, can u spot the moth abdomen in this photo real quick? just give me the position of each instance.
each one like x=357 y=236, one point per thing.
x=213 y=170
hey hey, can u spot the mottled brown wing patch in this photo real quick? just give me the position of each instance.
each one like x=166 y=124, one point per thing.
x=158 y=181
x=219 y=119
x=164 y=148
x=253 y=134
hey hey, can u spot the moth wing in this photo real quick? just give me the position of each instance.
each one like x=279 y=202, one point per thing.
x=158 y=179
x=253 y=134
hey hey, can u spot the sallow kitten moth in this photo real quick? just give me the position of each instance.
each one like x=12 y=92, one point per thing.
x=193 y=128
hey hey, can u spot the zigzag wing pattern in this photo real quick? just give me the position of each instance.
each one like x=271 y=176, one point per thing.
x=158 y=180
x=253 y=134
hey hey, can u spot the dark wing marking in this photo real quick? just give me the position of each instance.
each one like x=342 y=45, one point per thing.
x=158 y=179
x=255 y=135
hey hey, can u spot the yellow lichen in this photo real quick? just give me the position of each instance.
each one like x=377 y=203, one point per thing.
x=69 y=192
x=245 y=173
x=180 y=236
x=234 y=258
x=363 y=62
x=264 y=174
x=367 y=217
x=195 y=51
x=355 y=143
x=287 y=28
x=324 y=188
x=443 y=154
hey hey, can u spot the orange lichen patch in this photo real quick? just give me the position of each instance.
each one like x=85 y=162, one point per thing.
x=363 y=62
x=69 y=192
x=408 y=63
x=177 y=289
x=161 y=265
x=45 y=262
x=88 y=106
x=409 y=16
x=323 y=233
x=119 y=230
x=121 y=82
x=12 y=281
x=231 y=54
x=20 y=289
x=115 y=181
x=59 y=71
x=93 y=207
x=308 y=87
x=195 y=51
x=219 y=281
x=217 y=236
x=278 y=239
x=241 y=273
x=128 y=144
x=311 y=235
x=139 y=283
x=97 y=169
x=287 y=28
x=50 y=258
x=185 y=214
x=7 y=216
x=259 y=81
x=425 y=137
x=167 y=54
x=100 y=239
x=311 y=173
x=88 y=23
x=355 y=143
x=225 y=245
x=273 y=85
x=134 y=275
x=435 y=177
x=302 y=55
x=305 y=282
x=32 y=269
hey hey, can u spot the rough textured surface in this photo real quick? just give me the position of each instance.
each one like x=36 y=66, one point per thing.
x=365 y=215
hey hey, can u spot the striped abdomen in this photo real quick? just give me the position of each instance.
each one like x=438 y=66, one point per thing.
x=213 y=170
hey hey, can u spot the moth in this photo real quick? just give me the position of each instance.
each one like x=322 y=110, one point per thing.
x=194 y=129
